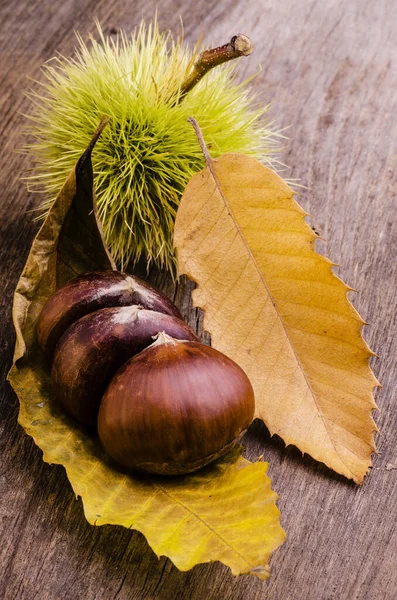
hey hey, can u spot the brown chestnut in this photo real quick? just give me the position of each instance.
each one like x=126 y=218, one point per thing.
x=90 y=292
x=92 y=350
x=175 y=407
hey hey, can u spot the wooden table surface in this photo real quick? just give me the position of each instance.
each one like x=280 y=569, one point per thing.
x=331 y=70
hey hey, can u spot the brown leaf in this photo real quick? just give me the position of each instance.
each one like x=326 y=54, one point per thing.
x=69 y=242
x=81 y=246
x=274 y=305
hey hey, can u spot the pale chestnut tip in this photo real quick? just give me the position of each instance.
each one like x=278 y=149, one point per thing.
x=163 y=338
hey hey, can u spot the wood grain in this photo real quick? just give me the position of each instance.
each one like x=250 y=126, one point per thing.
x=331 y=70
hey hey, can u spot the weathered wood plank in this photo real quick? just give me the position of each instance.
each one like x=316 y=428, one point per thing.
x=331 y=70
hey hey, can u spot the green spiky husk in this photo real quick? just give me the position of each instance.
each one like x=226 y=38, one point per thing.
x=148 y=152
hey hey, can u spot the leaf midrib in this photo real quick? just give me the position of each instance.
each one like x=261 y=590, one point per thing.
x=210 y=166
x=206 y=525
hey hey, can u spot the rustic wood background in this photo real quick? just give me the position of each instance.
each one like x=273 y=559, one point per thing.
x=331 y=70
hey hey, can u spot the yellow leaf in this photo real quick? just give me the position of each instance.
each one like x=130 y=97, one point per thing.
x=226 y=512
x=274 y=306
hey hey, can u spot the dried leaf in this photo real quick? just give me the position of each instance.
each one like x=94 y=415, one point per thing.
x=62 y=249
x=273 y=305
x=226 y=512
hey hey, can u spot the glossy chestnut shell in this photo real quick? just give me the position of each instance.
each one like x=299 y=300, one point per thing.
x=90 y=292
x=175 y=407
x=93 y=348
